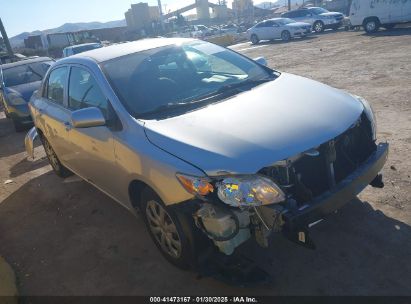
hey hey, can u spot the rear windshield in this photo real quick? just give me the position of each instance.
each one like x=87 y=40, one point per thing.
x=25 y=73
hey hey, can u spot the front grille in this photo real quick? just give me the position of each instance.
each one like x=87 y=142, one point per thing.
x=311 y=176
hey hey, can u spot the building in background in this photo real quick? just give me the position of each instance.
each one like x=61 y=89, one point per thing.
x=36 y=42
x=142 y=17
x=203 y=9
x=243 y=10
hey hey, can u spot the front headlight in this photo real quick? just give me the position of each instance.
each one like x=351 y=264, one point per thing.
x=370 y=115
x=249 y=191
x=16 y=100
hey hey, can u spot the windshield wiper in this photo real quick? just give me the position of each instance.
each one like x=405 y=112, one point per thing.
x=205 y=98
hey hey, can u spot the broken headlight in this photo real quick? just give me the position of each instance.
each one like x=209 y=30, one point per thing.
x=249 y=191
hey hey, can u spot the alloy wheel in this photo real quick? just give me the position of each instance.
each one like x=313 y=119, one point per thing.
x=163 y=228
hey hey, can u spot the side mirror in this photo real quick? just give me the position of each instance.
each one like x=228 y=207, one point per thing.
x=87 y=118
x=261 y=60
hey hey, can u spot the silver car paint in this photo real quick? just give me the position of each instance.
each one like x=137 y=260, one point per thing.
x=257 y=128
x=273 y=121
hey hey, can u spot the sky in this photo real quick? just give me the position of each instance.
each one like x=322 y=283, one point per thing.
x=29 y=15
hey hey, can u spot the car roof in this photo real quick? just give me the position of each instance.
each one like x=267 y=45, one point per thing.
x=24 y=62
x=119 y=50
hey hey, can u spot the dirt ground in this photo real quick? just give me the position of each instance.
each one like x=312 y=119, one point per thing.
x=63 y=237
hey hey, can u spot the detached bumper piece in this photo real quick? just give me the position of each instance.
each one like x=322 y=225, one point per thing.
x=29 y=141
x=297 y=221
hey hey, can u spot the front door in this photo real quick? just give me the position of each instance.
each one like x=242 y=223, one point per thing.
x=53 y=116
x=92 y=149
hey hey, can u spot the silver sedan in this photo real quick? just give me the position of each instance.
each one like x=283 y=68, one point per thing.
x=212 y=147
x=278 y=28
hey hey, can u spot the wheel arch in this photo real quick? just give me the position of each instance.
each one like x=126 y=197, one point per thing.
x=135 y=189
x=371 y=18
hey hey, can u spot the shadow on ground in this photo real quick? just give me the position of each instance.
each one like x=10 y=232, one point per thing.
x=401 y=31
x=70 y=239
x=10 y=137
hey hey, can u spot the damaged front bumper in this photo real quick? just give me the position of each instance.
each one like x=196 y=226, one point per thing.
x=296 y=222
x=229 y=227
x=29 y=141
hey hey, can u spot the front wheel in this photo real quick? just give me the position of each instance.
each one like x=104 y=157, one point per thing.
x=166 y=230
x=318 y=27
x=55 y=163
x=286 y=36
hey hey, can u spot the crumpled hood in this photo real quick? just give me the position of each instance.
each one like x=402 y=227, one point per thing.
x=25 y=90
x=254 y=129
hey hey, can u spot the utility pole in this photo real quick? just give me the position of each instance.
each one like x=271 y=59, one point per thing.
x=289 y=5
x=160 y=9
x=6 y=40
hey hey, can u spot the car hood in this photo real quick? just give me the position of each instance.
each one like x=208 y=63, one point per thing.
x=24 y=90
x=254 y=129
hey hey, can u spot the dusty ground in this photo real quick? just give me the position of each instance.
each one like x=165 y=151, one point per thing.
x=66 y=238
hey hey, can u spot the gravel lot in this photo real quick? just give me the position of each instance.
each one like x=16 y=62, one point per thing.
x=63 y=237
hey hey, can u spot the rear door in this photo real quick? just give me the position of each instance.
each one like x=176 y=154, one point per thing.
x=271 y=30
x=91 y=149
x=53 y=116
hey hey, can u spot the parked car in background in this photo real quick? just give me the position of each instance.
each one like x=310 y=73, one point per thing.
x=278 y=28
x=375 y=14
x=318 y=17
x=80 y=48
x=18 y=81
x=212 y=148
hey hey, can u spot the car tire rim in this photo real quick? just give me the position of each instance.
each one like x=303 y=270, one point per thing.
x=371 y=26
x=51 y=156
x=254 y=39
x=318 y=27
x=286 y=36
x=163 y=228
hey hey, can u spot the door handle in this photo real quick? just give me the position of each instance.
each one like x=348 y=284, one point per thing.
x=68 y=126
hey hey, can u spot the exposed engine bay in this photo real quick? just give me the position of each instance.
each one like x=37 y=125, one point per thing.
x=300 y=180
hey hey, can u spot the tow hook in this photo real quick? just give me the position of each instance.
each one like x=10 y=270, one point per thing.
x=377 y=182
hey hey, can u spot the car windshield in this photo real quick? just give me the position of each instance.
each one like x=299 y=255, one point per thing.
x=285 y=21
x=84 y=48
x=26 y=73
x=318 y=10
x=179 y=76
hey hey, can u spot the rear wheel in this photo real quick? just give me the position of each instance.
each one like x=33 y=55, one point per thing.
x=286 y=36
x=55 y=163
x=371 y=25
x=318 y=27
x=254 y=39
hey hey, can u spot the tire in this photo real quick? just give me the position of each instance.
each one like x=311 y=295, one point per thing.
x=55 y=163
x=371 y=25
x=166 y=230
x=254 y=39
x=318 y=26
x=389 y=26
x=286 y=36
x=18 y=126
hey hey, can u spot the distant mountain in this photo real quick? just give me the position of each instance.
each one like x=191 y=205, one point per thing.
x=18 y=40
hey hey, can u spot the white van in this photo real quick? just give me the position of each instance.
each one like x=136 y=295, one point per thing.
x=373 y=14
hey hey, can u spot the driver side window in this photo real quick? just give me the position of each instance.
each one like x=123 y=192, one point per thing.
x=84 y=92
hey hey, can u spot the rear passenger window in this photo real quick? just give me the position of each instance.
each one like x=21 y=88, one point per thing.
x=84 y=92
x=56 y=84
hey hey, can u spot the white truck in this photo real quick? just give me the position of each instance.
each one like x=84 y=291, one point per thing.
x=373 y=14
